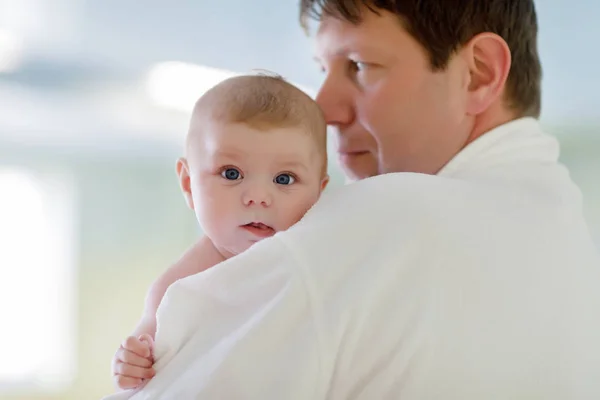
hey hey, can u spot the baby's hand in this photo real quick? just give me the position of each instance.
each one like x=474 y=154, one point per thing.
x=133 y=362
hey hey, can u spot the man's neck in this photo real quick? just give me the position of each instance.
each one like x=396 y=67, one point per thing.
x=494 y=117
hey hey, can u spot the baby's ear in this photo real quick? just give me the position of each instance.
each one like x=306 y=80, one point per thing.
x=183 y=173
x=324 y=182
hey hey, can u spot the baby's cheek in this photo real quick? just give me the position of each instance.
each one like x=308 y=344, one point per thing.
x=211 y=215
x=302 y=208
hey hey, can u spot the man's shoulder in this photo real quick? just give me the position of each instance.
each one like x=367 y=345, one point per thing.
x=409 y=213
x=385 y=197
x=358 y=218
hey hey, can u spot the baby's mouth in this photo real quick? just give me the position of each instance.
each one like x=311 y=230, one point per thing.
x=259 y=229
x=259 y=225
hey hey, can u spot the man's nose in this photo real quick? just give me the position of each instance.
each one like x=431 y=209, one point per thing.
x=335 y=100
x=257 y=195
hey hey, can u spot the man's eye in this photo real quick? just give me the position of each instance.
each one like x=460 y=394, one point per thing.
x=284 y=179
x=358 y=65
x=231 y=174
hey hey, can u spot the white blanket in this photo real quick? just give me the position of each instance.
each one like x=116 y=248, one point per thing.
x=478 y=283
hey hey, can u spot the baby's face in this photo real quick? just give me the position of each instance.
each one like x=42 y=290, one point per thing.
x=248 y=184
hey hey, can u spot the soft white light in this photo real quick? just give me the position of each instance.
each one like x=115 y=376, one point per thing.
x=37 y=302
x=11 y=51
x=177 y=85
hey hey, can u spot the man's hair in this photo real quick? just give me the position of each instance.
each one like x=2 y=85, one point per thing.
x=264 y=101
x=443 y=26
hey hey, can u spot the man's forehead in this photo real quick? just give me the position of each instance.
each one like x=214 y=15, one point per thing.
x=336 y=36
x=335 y=30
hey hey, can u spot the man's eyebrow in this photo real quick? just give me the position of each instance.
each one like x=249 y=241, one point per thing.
x=342 y=51
x=346 y=50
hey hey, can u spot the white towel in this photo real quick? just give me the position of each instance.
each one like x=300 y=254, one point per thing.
x=478 y=283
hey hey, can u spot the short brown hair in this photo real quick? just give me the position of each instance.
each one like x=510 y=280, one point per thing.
x=443 y=26
x=264 y=100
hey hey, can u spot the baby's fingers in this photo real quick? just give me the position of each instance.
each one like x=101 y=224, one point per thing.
x=125 y=382
x=128 y=357
x=136 y=346
x=133 y=371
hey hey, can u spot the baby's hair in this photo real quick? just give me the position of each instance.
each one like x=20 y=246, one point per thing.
x=263 y=100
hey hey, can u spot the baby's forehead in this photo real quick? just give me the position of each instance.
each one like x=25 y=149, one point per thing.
x=220 y=139
x=215 y=133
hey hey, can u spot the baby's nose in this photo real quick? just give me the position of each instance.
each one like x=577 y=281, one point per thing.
x=257 y=196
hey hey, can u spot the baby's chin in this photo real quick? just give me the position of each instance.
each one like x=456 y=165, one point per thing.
x=251 y=243
x=232 y=250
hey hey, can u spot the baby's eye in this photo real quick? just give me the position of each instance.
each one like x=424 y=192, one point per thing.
x=231 y=174
x=284 y=179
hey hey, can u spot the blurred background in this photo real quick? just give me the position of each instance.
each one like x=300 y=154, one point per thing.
x=94 y=105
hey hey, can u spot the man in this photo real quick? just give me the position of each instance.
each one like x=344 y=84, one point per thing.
x=465 y=271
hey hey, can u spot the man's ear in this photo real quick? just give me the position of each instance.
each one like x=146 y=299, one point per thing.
x=183 y=173
x=324 y=182
x=489 y=59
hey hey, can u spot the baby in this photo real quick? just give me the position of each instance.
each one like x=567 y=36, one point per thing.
x=255 y=162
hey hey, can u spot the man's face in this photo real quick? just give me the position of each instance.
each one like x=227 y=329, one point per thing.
x=390 y=111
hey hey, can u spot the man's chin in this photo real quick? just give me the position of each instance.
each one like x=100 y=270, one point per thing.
x=353 y=175
x=357 y=167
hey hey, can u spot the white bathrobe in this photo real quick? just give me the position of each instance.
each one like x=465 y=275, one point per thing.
x=479 y=283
